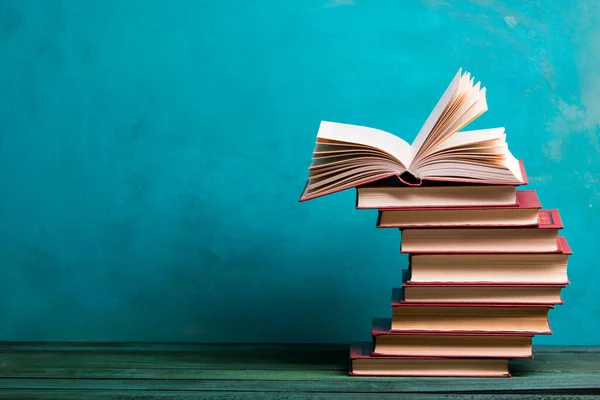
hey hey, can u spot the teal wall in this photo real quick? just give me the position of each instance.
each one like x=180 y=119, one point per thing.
x=152 y=154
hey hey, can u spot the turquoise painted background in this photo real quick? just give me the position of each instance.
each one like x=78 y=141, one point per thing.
x=152 y=154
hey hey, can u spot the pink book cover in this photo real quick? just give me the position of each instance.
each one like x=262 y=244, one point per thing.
x=406 y=277
x=545 y=215
x=547 y=219
x=562 y=247
x=398 y=301
x=383 y=326
x=408 y=283
x=526 y=199
x=362 y=350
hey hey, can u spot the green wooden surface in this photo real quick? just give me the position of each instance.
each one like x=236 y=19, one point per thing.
x=221 y=371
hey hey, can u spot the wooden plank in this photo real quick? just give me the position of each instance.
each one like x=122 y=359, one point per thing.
x=288 y=372
x=212 y=358
x=172 y=347
x=163 y=365
x=16 y=362
x=253 y=351
x=314 y=382
x=275 y=371
x=127 y=395
x=218 y=347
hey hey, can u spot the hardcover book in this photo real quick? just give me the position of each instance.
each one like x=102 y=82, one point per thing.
x=522 y=267
x=364 y=363
x=390 y=343
x=347 y=155
x=540 y=238
x=524 y=213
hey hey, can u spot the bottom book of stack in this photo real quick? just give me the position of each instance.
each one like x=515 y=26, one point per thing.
x=364 y=362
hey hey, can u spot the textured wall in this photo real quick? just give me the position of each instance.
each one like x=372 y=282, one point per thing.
x=152 y=154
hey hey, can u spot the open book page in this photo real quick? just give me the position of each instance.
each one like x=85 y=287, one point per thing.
x=480 y=154
x=368 y=137
x=336 y=163
x=486 y=150
x=351 y=169
x=470 y=109
x=324 y=185
x=439 y=108
x=513 y=165
x=468 y=171
x=469 y=168
x=351 y=166
x=457 y=101
x=468 y=105
x=328 y=151
x=463 y=138
x=348 y=156
x=467 y=113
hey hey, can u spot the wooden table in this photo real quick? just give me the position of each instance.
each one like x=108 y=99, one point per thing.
x=181 y=371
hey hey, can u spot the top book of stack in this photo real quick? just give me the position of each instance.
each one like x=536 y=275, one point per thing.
x=450 y=167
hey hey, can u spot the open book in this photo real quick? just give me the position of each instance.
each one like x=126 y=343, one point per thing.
x=347 y=156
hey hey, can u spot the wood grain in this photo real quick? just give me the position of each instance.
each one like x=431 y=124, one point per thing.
x=238 y=371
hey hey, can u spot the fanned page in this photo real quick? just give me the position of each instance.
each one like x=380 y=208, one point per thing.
x=472 y=156
x=461 y=103
x=347 y=134
x=348 y=155
x=439 y=108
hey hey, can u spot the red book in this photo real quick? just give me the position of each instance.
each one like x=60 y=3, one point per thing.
x=492 y=267
x=477 y=345
x=536 y=294
x=364 y=363
x=485 y=239
x=524 y=213
x=523 y=319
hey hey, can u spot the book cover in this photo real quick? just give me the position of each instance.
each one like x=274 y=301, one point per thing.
x=562 y=247
x=363 y=363
x=524 y=213
x=347 y=155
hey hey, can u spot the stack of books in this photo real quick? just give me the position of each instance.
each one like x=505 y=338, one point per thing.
x=481 y=279
x=486 y=262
